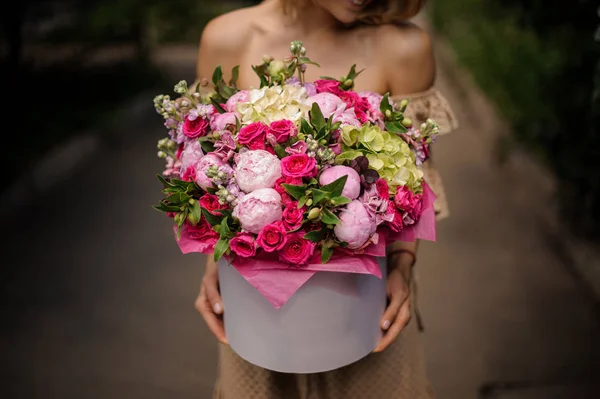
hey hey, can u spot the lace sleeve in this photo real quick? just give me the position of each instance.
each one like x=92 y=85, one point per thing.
x=432 y=104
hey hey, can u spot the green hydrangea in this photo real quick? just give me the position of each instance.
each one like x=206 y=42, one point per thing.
x=387 y=153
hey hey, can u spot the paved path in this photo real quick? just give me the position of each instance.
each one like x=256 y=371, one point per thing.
x=99 y=300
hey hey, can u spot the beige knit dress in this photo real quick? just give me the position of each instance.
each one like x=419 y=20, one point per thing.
x=396 y=373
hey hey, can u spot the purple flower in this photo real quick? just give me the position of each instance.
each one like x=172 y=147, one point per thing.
x=225 y=146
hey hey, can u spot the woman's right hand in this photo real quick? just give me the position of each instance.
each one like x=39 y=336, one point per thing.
x=209 y=302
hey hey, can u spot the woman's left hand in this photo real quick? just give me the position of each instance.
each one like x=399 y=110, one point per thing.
x=397 y=315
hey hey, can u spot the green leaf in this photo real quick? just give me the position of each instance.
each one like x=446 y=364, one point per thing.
x=306 y=60
x=179 y=228
x=280 y=151
x=329 y=217
x=195 y=213
x=353 y=74
x=326 y=254
x=316 y=117
x=305 y=127
x=395 y=127
x=210 y=218
x=337 y=201
x=217 y=75
x=335 y=188
x=235 y=74
x=225 y=231
x=302 y=202
x=385 y=104
x=164 y=181
x=207 y=146
x=316 y=235
x=313 y=181
x=178 y=198
x=328 y=78
x=319 y=195
x=221 y=248
x=217 y=105
x=295 y=191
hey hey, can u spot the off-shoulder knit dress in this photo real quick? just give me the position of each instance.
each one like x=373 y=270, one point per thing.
x=396 y=373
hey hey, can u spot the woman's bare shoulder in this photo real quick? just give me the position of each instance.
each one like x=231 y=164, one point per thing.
x=407 y=53
x=224 y=38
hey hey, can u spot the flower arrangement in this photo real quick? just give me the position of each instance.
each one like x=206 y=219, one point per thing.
x=292 y=171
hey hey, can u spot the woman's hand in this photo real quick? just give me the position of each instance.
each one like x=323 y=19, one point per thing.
x=209 y=302
x=397 y=315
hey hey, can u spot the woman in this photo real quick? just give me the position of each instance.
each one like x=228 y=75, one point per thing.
x=397 y=58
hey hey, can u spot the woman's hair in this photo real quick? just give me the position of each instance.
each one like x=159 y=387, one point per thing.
x=378 y=12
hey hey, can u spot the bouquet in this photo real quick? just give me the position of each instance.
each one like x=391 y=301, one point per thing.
x=292 y=176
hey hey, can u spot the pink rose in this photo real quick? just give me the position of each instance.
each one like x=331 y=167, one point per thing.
x=203 y=232
x=253 y=135
x=211 y=203
x=298 y=165
x=408 y=202
x=239 y=97
x=195 y=128
x=206 y=162
x=272 y=237
x=282 y=130
x=328 y=103
x=297 y=250
x=356 y=226
x=258 y=209
x=243 y=244
x=220 y=122
x=382 y=188
x=257 y=169
x=294 y=181
x=292 y=216
x=396 y=224
x=352 y=186
x=328 y=86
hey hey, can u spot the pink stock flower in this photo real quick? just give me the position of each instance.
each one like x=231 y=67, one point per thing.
x=282 y=130
x=292 y=216
x=328 y=103
x=226 y=121
x=195 y=128
x=211 y=203
x=239 y=97
x=297 y=250
x=243 y=244
x=257 y=169
x=328 y=86
x=225 y=146
x=210 y=159
x=272 y=237
x=298 y=165
x=258 y=209
x=356 y=226
x=253 y=136
x=352 y=186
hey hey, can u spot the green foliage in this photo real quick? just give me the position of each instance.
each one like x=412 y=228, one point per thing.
x=542 y=70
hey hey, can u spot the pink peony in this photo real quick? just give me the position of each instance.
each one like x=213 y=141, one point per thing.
x=328 y=103
x=243 y=244
x=253 y=136
x=282 y=130
x=328 y=86
x=192 y=154
x=347 y=117
x=257 y=169
x=272 y=237
x=206 y=162
x=292 y=216
x=211 y=203
x=226 y=121
x=239 y=97
x=258 y=209
x=357 y=226
x=195 y=128
x=297 y=250
x=298 y=165
x=352 y=187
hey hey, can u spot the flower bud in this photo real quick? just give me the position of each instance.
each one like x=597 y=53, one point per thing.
x=267 y=58
x=301 y=136
x=275 y=68
x=185 y=103
x=348 y=83
x=196 y=95
x=330 y=226
x=403 y=104
x=388 y=113
x=314 y=213
x=303 y=51
x=309 y=202
x=192 y=201
x=161 y=154
x=406 y=122
x=230 y=198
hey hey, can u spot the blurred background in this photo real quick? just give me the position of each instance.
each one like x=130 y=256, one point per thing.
x=98 y=300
